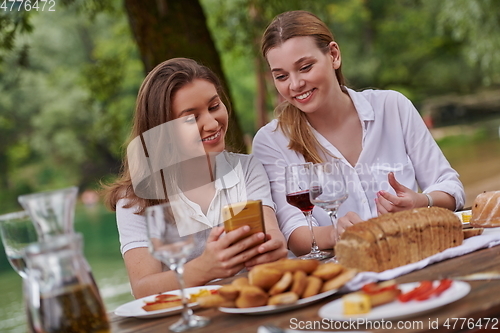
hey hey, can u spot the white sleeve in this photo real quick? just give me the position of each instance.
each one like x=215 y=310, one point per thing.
x=270 y=147
x=257 y=183
x=131 y=227
x=433 y=172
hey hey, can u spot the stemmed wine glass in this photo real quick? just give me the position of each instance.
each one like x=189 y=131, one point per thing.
x=171 y=246
x=328 y=190
x=297 y=194
x=17 y=231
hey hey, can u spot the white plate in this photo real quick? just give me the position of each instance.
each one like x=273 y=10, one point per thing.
x=134 y=308
x=397 y=309
x=278 y=308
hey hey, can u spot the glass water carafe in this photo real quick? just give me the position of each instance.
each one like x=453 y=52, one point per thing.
x=61 y=294
x=52 y=212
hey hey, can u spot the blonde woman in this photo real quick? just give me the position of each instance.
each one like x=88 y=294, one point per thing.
x=378 y=135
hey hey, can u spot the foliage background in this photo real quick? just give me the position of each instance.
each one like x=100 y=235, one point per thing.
x=69 y=78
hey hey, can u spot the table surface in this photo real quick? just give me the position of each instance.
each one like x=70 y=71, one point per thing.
x=482 y=302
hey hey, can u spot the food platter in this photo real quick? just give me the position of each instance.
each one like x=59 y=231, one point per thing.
x=396 y=309
x=134 y=308
x=278 y=308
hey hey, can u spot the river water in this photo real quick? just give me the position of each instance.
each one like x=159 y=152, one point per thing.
x=101 y=248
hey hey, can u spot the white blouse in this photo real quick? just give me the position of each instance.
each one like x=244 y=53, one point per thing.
x=239 y=177
x=395 y=139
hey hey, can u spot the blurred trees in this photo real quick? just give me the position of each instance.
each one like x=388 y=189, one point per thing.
x=69 y=100
x=168 y=29
x=68 y=79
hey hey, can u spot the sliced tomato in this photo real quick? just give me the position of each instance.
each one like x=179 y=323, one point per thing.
x=443 y=285
x=425 y=295
x=370 y=288
x=423 y=288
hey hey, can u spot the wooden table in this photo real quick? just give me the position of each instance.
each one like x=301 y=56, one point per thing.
x=482 y=302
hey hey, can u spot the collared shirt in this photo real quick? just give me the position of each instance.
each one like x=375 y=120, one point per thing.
x=238 y=178
x=395 y=139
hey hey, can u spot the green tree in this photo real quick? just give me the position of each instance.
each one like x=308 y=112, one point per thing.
x=476 y=25
x=167 y=29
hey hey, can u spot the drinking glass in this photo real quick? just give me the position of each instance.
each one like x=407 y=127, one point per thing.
x=172 y=247
x=297 y=194
x=328 y=190
x=17 y=232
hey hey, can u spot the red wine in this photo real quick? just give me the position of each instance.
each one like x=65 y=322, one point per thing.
x=300 y=200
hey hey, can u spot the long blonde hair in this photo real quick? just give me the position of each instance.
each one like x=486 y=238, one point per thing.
x=291 y=120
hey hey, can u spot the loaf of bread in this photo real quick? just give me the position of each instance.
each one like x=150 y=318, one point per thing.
x=397 y=239
x=486 y=210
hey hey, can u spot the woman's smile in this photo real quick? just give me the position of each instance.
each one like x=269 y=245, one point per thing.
x=213 y=139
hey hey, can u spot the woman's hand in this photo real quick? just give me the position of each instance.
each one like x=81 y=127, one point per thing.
x=345 y=222
x=223 y=256
x=403 y=200
x=273 y=249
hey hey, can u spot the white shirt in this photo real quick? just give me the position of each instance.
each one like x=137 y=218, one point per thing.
x=395 y=138
x=238 y=178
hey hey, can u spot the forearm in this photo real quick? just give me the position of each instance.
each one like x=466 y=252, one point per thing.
x=300 y=240
x=441 y=199
x=154 y=284
x=166 y=281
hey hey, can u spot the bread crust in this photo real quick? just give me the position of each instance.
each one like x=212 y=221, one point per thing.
x=397 y=239
x=339 y=280
x=327 y=271
x=285 y=298
x=264 y=277
x=240 y=282
x=283 y=284
x=299 y=282
x=468 y=233
x=313 y=286
x=251 y=296
x=293 y=265
x=486 y=210
x=229 y=292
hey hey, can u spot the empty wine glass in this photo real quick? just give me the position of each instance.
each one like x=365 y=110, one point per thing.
x=328 y=190
x=17 y=232
x=172 y=247
x=297 y=194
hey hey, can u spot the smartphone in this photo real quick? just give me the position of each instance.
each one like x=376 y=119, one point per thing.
x=244 y=213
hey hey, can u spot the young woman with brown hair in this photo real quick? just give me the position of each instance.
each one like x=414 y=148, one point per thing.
x=176 y=152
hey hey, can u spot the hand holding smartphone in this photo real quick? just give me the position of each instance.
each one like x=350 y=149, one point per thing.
x=244 y=213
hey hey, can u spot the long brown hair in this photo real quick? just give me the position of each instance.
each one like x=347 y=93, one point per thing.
x=291 y=120
x=153 y=108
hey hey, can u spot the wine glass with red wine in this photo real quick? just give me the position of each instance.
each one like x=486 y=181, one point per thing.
x=328 y=190
x=297 y=194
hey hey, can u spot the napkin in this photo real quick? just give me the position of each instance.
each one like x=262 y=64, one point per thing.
x=489 y=238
